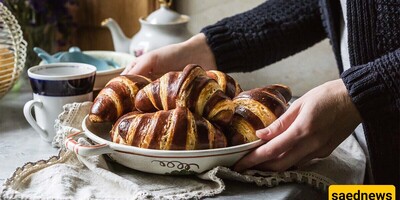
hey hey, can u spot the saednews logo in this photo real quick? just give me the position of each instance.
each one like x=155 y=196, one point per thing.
x=362 y=192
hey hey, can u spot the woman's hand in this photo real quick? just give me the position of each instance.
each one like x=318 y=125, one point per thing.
x=312 y=127
x=173 y=58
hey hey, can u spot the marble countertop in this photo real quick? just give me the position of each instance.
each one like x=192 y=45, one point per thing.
x=20 y=144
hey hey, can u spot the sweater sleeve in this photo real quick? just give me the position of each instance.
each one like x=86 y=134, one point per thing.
x=375 y=90
x=268 y=33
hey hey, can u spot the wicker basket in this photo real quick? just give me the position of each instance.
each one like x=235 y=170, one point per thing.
x=12 y=50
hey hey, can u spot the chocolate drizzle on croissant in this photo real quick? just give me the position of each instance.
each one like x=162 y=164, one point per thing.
x=116 y=98
x=191 y=88
x=176 y=129
x=256 y=109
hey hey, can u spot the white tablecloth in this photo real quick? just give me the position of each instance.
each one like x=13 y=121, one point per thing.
x=69 y=176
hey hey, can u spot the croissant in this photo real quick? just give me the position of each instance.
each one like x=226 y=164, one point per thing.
x=176 y=129
x=116 y=98
x=191 y=88
x=229 y=86
x=256 y=109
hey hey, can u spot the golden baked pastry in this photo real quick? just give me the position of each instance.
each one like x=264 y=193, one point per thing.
x=116 y=98
x=256 y=109
x=187 y=110
x=176 y=129
x=228 y=85
x=191 y=88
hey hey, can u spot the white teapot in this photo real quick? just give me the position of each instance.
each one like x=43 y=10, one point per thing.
x=162 y=27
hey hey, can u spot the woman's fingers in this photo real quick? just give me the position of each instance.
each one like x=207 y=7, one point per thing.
x=128 y=68
x=146 y=65
x=272 y=149
x=138 y=68
x=307 y=148
x=173 y=57
x=296 y=125
x=280 y=125
x=312 y=127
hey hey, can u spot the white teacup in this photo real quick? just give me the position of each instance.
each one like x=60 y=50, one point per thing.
x=53 y=86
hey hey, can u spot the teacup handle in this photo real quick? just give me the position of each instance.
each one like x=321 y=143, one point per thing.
x=86 y=150
x=28 y=116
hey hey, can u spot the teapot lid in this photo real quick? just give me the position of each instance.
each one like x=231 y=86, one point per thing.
x=164 y=15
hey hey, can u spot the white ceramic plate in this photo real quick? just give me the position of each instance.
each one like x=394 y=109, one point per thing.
x=156 y=161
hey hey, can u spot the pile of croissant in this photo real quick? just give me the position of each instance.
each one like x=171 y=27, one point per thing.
x=186 y=110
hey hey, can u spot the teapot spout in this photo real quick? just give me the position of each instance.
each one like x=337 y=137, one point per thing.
x=120 y=41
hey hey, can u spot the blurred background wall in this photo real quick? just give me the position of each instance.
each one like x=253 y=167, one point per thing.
x=301 y=72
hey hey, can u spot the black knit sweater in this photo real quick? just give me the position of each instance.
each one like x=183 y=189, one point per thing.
x=279 y=28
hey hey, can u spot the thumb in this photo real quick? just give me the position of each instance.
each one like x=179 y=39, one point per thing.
x=279 y=125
